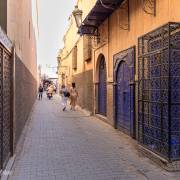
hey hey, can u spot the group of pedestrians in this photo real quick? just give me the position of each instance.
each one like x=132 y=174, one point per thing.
x=72 y=94
x=50 y=89
x=66 y=94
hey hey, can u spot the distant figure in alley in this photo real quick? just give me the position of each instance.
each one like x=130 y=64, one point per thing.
x=64 y=96
x=73 y=96
x=50 y=91
x=40 y=92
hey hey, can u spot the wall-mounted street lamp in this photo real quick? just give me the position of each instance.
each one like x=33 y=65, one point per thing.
x=77 y=13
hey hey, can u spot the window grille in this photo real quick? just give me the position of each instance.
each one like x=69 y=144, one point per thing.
x=159 y=91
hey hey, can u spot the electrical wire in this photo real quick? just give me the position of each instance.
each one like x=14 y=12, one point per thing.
x=105 y=6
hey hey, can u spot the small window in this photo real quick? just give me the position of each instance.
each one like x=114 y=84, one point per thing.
x=74 y=58
x=87 y=48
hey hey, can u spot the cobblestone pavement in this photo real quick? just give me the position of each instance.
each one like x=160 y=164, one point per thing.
x=72 y=146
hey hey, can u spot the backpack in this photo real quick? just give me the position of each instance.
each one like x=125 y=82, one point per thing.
x=66 y=94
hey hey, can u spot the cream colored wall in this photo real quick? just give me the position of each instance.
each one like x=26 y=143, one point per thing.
x=86 y=6
x=80 y=59
x=19 y=15
x=71 y=39
x=174 y=10
x=67 y=57
x=140 y=23
x=66 y=66
x=88 y=66
x=71 y=36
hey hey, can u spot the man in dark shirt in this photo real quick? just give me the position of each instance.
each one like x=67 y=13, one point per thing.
x=40 y=92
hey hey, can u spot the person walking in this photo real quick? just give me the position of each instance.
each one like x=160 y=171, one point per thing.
x=73 y=96
x=64 y=96
x=50 y=90
x=40 y=92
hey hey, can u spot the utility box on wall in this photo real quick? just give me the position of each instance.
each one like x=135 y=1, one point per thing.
x=159 y=91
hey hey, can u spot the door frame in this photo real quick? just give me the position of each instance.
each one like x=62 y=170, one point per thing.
x=117 y=60
x=102 y=59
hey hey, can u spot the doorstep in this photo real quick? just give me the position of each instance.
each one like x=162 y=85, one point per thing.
x=170 y=166
x=101 y=117
x=84 y=111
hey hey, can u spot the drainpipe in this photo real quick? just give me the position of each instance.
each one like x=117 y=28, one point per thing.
x=13 y=114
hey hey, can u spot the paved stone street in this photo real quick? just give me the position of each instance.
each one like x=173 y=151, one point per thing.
x=73 y=146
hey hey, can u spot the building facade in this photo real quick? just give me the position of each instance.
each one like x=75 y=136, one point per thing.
x=18 y=72
x=136 y=70
x=75 y=62
x=134 y=66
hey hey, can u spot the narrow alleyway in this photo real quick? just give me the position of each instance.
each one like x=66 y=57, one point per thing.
x=73 y=146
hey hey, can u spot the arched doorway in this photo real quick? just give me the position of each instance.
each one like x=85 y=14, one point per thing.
x=124 y=91
x=102 y=89
x=123 y=100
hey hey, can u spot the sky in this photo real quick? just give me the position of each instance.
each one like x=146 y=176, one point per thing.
x=53 y=22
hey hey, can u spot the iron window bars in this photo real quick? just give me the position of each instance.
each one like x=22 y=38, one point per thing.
x=159 y=91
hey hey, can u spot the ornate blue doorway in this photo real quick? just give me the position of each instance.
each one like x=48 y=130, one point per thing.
x=102 y=87
x=124 y=91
